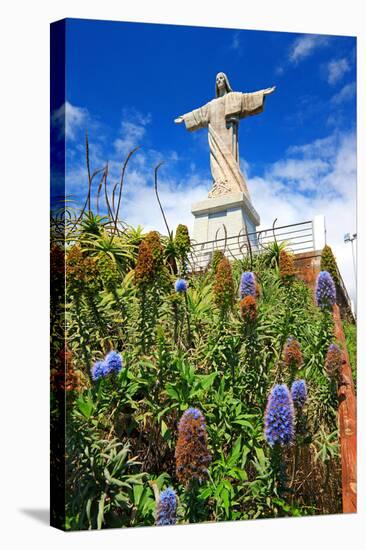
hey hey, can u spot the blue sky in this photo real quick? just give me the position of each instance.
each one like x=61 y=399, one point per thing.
x=126 y=82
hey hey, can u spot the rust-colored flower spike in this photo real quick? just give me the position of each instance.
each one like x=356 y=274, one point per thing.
x=292 y=355
x=144 y=270
x=333 y=362
x=153 y=240
x=248 y=309
x=286 y=265
x=80 y=269
x=191 y=453
x=223 y=287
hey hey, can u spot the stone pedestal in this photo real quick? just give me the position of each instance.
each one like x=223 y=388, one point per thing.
x=219 y=221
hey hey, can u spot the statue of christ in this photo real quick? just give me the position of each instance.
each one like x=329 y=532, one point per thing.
x=221 y=116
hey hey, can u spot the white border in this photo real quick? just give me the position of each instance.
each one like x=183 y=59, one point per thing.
x=24 y=254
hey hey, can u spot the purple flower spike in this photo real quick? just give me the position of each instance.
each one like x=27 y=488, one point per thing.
x=166 y=510
x=325 y=291
x=248 y=284
x=112 y=364
x=113 y=361
x=279 y=417
x=299 y=393
x=181 y=285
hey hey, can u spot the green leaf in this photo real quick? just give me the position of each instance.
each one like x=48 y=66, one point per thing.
x=261 y=457
x=85 y=405
x=206 y=380
x=172 y=392
x=100 y=517
x=235 y=453
x=137 y=493
x=164 y=429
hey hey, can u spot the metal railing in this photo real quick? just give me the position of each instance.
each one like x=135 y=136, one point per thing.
x=299 y=237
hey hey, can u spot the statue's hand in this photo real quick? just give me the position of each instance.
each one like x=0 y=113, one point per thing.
x=268 y=91
x=178 y=120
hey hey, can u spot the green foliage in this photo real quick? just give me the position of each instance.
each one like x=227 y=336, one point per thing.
x=187 y=351
x=182 y=245
x=328 y=263
x=350 y=332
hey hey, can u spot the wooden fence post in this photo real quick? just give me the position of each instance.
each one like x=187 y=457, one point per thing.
x=347 y=424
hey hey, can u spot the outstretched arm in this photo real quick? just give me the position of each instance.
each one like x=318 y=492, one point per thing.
x=196 y=119
x=247 y=104
x=268 y=91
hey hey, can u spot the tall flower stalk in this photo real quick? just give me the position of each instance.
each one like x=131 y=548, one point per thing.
x=181 y=287
x=299 y=394
x=248 y=285
x=166 y=509
x=333 y=368
x=223 y=288
x=192 y=456
x=286 y=267
x=333 y=362
x=292 y=358
x=325 y=291
x=279 y=429
x=254 y=375
x=150 y=280
x=325 y=297
x=191 y=453
x=182 y=244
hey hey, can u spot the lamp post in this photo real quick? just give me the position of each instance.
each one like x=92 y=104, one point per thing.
x=349 y=239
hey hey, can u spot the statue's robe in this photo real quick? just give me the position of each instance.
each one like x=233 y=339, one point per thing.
x=220 y=116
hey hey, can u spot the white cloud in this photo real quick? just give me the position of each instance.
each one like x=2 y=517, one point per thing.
x=336 y=69
x=346 y=93
x=235 y=43
x=132 y=131
x=304 y=173
x=313 y=178
x=139 y=204
x=69 y=120
x=76 y=118
x=176 y=199
x=279 y=193
x=326 y=147
x=304 y=46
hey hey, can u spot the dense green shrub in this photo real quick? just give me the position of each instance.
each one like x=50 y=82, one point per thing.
x=195 y=349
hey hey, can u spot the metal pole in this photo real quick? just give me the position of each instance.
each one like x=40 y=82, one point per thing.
x=354 y=262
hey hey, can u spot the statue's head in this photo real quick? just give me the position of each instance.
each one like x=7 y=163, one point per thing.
x=222 y=84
